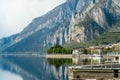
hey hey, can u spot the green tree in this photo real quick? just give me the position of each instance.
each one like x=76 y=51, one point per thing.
x=59 y=49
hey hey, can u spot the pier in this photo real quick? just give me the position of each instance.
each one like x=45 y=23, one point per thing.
x=79 y=72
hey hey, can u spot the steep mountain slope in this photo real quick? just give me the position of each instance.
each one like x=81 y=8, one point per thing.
x=55 y=19
x=94 y=20
x=111 y=36
x=75 y=20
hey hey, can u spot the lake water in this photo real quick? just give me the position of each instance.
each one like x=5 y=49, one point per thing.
x=32 y=68
x=21 y=67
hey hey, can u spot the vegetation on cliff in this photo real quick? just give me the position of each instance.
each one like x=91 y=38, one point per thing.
x=109 y=37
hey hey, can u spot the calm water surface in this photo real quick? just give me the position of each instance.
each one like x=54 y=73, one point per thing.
x=21 y=67
x=32 y=68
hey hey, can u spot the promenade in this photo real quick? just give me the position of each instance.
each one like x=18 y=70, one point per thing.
x=58 y=56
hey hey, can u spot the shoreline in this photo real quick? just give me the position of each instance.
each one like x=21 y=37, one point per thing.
x=58 y=56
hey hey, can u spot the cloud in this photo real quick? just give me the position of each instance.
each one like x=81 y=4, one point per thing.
x=16 y=14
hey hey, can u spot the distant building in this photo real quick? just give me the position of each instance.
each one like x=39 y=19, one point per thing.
x=78 y=51
x=115 y=57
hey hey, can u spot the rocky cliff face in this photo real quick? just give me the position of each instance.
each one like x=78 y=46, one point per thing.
x=94 y=19
x=75 y=20
x=49 y=29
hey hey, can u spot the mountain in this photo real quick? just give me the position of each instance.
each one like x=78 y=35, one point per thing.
x=74 y=20
x=48 y=23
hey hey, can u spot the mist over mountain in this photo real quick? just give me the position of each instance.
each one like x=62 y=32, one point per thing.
x=74 y=20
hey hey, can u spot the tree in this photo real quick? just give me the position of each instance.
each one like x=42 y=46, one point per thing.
x=59 y=49
x=85 y=51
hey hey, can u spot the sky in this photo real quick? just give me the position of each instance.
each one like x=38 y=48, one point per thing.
x=15 y=15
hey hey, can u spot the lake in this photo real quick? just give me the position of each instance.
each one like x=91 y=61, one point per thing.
x=32 y=68
x=29 y=67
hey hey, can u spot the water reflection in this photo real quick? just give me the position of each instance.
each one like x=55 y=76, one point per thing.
x=39 y=68
x=6 y=75
x=87 y=61
x=59 y=62
x=33 y=68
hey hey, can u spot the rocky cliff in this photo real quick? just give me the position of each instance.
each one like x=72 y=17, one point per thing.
x=94 y=20
x=75 y=20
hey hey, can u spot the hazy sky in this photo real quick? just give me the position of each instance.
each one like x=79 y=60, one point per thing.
x=17 y=14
